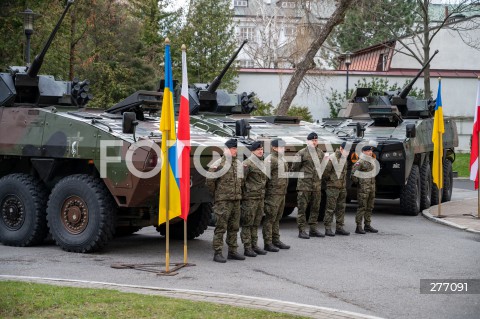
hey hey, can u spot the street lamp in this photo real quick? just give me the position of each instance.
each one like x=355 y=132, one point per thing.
x=347 y=62
x=28 y=18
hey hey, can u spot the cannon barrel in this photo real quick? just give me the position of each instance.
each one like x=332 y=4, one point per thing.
x=38 y=61
x=409 y=87
x=216 y=82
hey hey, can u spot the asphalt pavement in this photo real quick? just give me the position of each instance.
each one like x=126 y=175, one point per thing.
x=372 y=274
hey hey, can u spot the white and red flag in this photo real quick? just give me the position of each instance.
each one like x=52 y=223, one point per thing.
x=183 y=141
x=474 y=152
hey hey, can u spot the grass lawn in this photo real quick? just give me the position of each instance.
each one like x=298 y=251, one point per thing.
x=462 y=165
x=29 y=300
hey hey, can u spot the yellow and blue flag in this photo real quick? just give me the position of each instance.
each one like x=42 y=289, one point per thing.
x=437 y=139
x=169 y=183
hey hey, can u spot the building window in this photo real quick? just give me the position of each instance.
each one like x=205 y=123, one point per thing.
x=240 y=3
x=247 y=33
x=290 y=31
x=288 y=4
x=382 y=62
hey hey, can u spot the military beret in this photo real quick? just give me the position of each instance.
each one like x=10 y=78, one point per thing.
x=278 y=142
x=343 y=145
x=312 y=136
x=368 y=148
x=231 y=143
x=255 y=145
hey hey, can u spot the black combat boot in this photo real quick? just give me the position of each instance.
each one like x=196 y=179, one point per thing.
x=329 y=232
x=303 y=234
x=341 y=231
x=281 y=245
x=235 y=255
x=249 y=252
x=315 y=233
x=359 y=230
x=370 y=229
x=218 y=257
x=259 y=250
x=272 y=248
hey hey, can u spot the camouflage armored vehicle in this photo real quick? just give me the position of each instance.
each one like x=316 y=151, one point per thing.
x=83 y=175
x=402 y=128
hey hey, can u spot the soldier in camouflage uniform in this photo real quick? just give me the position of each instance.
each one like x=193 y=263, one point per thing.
x=275 y=191
x=336 y=193
x=365 y=191
x=253 y=196
x=308 y=187
x=227 y=193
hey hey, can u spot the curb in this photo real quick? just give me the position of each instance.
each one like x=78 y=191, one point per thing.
x=427 y=215
x=206 y=296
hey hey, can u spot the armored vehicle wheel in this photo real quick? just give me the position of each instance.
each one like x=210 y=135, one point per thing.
x=81 y=213
x=287 y=211
x=447 y=181
x=197 y=222
x=23 y=200
x=410 y=196
x=426 y=185
x=447 y=184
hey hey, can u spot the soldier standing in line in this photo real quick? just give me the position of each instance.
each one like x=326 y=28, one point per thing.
x=226 y=190
x=253 y=196
x=275 y=192
x=365 y=190
x=336 y=193
x=308 y=187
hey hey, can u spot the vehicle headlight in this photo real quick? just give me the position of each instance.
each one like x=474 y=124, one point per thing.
x=394 y=155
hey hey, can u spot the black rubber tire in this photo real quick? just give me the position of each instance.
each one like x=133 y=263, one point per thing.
x=447 y=181
x=426 y=185
x=28 y=194
x=121 y=231
x=287 y=211
x=447 y=184
x=101 y=211
x=197 y=223
x=410 y=196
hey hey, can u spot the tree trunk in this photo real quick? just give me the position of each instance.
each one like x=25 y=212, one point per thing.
x=426 y=50
x=307 y=62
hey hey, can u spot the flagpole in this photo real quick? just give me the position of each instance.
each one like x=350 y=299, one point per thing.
x=440 y=167
x=184 y=241
x=478 y=175
x=167 y=204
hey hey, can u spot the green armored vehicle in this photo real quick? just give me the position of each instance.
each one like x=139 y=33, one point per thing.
x=401 y=127
x=84 y=175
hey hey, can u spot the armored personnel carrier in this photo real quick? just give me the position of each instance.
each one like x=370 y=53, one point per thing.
x=401 y=127
x=84 y=175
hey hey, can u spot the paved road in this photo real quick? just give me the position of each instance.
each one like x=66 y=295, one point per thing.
x=375 y=274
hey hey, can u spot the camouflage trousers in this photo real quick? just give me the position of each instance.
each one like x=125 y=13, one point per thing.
x=307 y=199
x=365 y=198
x=274 y=205
x=252 y=213
x=336 y=198
x=228 y=221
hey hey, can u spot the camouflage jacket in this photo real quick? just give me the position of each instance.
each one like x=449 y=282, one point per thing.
x=363 y=165
x=229 y=185
x=304 y=163
x=254 y=178
x=278 y=182
x=330 y=174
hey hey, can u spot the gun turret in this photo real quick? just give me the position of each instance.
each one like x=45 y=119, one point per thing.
x=216 y=82
x=38 y=61
x=409 y=87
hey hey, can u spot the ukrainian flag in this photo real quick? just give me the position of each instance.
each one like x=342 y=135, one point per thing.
x=438 y=130
x=169 y=183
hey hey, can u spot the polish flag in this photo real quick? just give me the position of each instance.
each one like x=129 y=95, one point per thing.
x=474 y=152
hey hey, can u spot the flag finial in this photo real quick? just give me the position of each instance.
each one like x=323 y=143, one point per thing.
x=167 y=41
x=184 y=47
x=439 y=78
